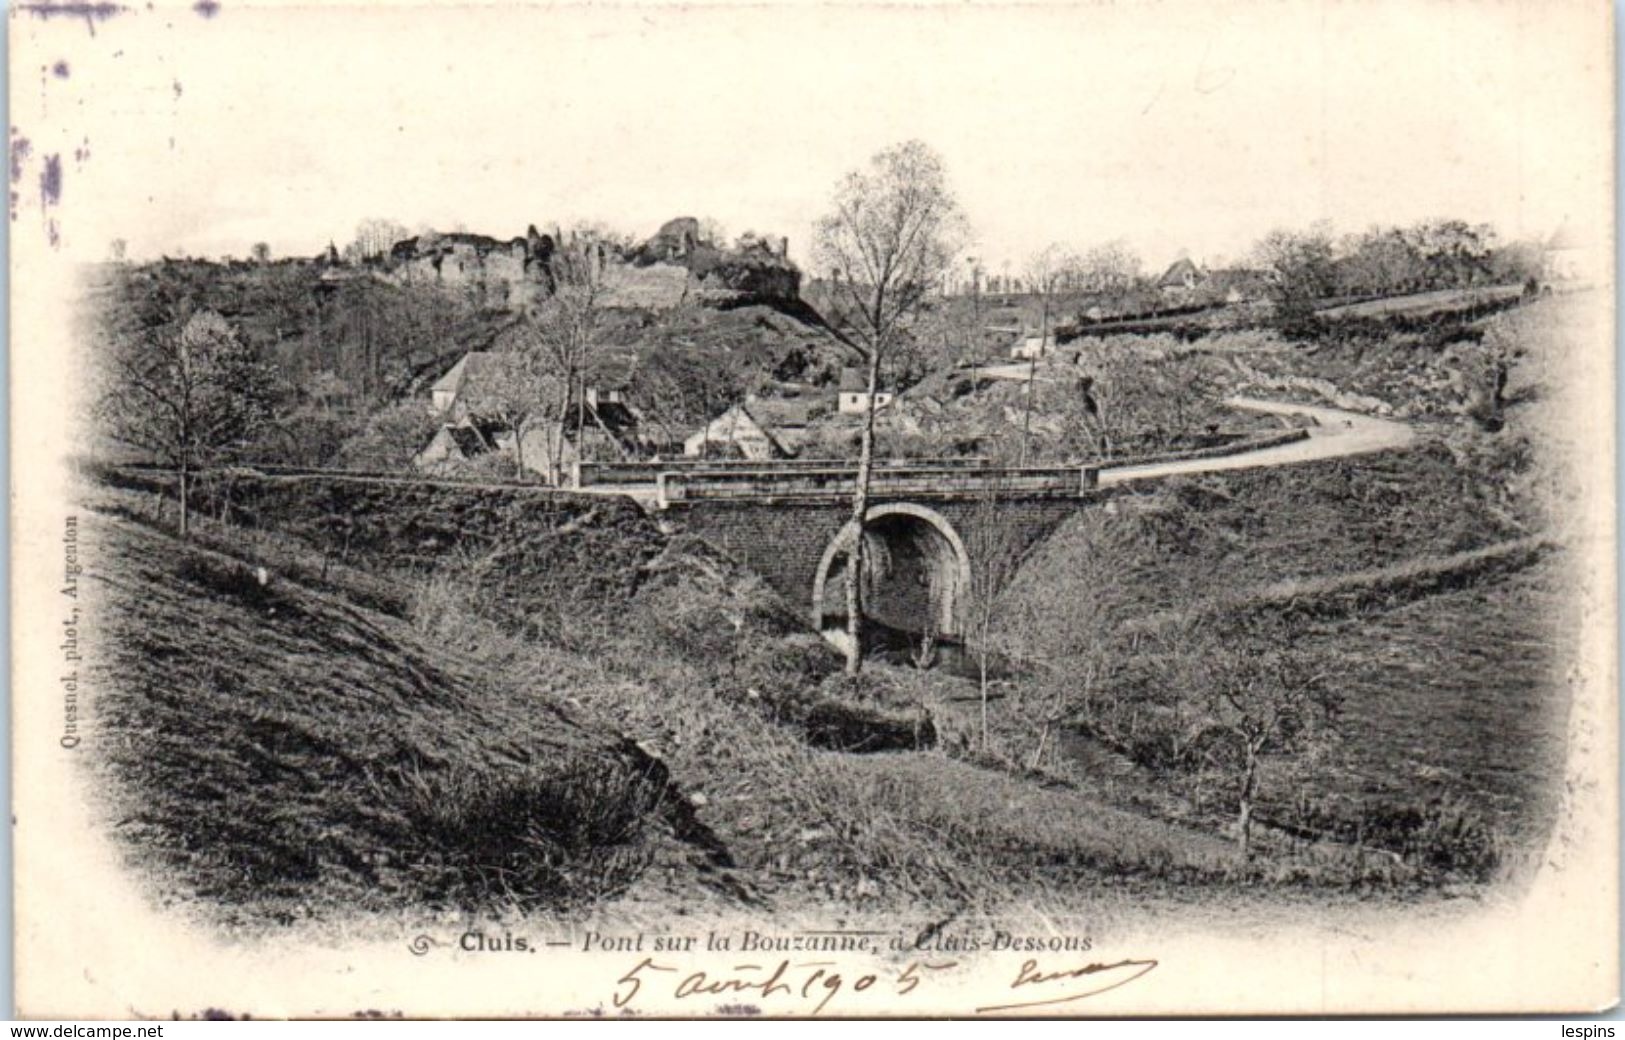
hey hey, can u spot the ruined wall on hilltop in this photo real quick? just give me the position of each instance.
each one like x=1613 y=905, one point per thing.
x=488 y=272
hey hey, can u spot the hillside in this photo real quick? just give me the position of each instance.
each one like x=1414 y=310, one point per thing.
x=1425 y=587
x=311 y=754
x=315 y=751
x=348 y=343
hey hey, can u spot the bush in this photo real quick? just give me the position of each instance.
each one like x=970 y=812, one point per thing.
x=1441 y=836
x=524 y=835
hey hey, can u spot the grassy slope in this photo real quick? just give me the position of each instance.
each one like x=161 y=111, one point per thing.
x=1452 y=687
x=1457 y=697
x=284 y=751
x=1172 y=539
x=705 y=672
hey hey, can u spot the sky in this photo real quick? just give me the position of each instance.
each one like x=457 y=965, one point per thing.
x=1186 y=129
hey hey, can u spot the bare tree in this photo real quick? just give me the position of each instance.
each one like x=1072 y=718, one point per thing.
x=1047 y=272
x=1061 y=621
x=995 y=553
x=118 y=250
x=513 y=389
x=375 y=236
x=1254 y=695
x=1298 y=265
x=893 y=229
x=563 y=333
x=190 y=395
x=1110 y=267
x=261 y=252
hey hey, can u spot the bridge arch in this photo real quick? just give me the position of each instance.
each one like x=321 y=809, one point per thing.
x=911 y=552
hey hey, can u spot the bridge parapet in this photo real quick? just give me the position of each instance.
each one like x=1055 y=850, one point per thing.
x=912 y=481
x=625 y=471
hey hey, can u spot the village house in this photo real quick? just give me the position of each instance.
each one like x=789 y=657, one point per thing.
x=1032 y=347
x=757 y=429
x=852 y=394
x=1571 y=259
x=1180 y=281
x=453 y=445
x=599 y=424
x=445 y=392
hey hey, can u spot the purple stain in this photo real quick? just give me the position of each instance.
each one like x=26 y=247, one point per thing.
x=207 y=8
x=90 y=12
x=53 y=234
x=20 y=150
x=60 y=70
x=50 y=181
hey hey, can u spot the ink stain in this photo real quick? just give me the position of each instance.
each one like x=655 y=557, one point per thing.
x=207 y=8
x=50 y=181
x=90 y=12
x=50 y=196
x=176 y=86
x=20 y=150
x=60 y=70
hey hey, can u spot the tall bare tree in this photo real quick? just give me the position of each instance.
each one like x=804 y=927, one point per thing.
x=1047 y=271
x=513 y=389
x=189 y=393
x=375 y=236
x=1110 y=267
x=995 y=549
x=564 y=332
x=893 y=228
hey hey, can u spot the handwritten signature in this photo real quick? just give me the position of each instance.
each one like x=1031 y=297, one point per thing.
x=1100 y=977
x=821 y=981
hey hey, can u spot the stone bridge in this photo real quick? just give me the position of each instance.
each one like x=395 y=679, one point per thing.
x=926 y=523
x=928 y=520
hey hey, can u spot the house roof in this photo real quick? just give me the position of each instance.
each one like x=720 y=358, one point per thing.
x=1178 y=272
x=852 y=381
x=468 y=440
x=472 y=365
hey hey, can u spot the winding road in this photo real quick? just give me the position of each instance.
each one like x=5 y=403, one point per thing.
x=1335 y=434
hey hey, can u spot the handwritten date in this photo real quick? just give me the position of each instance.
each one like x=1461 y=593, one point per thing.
x=816 y=982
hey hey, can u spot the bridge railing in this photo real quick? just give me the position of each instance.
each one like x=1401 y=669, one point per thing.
x=914 y=481
x=644 y=471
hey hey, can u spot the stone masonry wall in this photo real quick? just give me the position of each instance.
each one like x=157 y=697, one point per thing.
x=784 y=542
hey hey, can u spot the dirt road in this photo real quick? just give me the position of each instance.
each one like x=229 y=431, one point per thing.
x=1336 y=434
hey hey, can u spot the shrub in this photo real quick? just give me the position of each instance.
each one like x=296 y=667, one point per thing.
x=525 y=835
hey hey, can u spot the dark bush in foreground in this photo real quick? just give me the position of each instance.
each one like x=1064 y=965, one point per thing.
x=532 y=836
